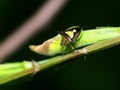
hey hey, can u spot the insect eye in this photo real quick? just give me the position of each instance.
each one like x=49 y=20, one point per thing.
x=74 y=30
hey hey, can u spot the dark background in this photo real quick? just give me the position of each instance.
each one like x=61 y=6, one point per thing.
x=100 y=71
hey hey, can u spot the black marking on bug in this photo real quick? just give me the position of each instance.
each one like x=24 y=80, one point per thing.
x=66 y=39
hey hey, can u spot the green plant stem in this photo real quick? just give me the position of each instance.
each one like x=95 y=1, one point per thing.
x=102 y=45
x=86 y=50
x=11 y=71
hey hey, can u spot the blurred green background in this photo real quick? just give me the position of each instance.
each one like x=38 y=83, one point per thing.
x=99 y=71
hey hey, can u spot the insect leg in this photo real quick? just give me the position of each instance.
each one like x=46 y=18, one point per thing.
x=63 y=49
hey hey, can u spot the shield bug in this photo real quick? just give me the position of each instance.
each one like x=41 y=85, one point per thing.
x=62 y=43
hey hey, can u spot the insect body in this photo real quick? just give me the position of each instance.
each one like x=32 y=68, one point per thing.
x=62 y=43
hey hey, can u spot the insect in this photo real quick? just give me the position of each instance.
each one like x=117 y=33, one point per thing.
x=69 y=36
x=62 y=43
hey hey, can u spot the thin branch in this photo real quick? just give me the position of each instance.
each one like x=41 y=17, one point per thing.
x=11 y=71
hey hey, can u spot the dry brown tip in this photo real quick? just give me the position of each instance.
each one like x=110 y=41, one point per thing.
x=40 y=49
x=34 y=48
